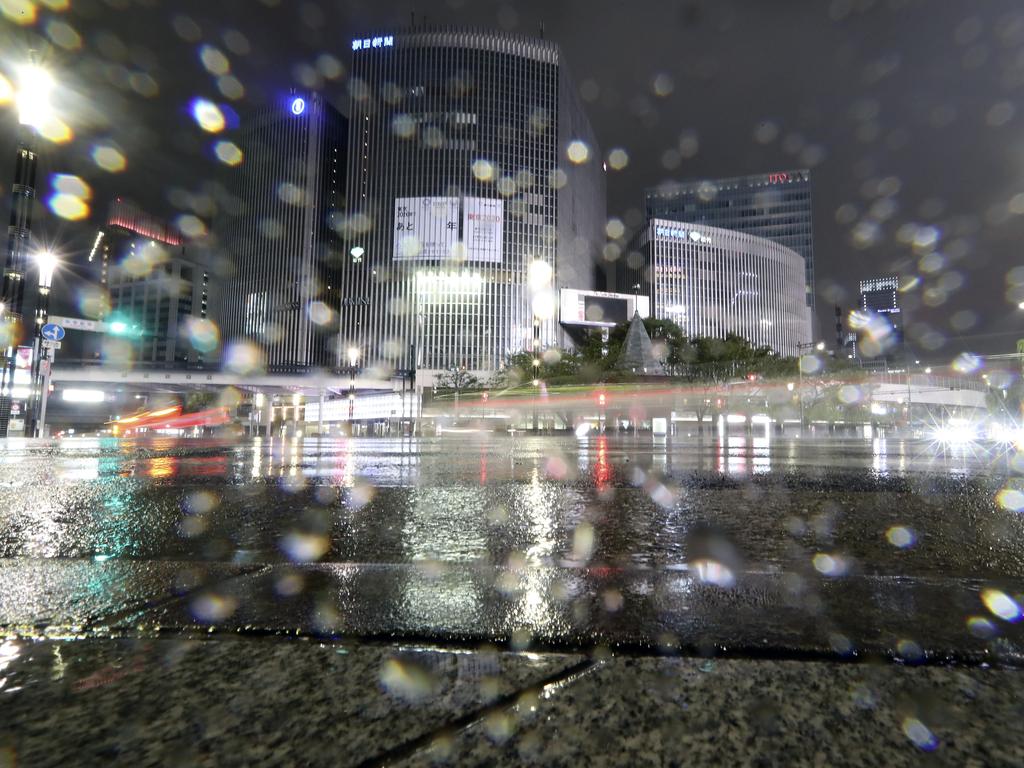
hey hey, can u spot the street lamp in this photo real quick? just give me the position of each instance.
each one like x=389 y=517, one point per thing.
x=801 y=346
x=353 y=358
x=32 y=101
x=46 y=263
x=35 y=85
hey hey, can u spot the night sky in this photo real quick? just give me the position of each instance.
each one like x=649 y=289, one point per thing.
x=904 y=110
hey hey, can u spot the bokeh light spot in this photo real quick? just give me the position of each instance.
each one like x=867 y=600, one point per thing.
x=208 y=116
x=1011 y=499
x=231 y=87
x=966 y=362
x=830 y=565
x=63 y=35
x=1001 y=604
x=483 y=170
x=22 y=12
x=191 y=226
x=578 y=152
x=55 y=130
x=109 y=158
x=900 y=536
x=243 y=357
x=228 y=153
x=618 y=159
x=919 y=734
x=203 y=334
x=981 y=627
x=70 y=198
x=215 y=62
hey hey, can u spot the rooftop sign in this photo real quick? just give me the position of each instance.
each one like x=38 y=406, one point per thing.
x=682 y=234
x=373 y=42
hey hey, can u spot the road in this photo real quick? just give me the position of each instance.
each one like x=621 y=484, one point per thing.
x=572 y=551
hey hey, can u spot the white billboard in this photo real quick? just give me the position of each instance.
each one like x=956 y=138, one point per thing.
x=600 y=309
x=482 y=229
x=425 y=227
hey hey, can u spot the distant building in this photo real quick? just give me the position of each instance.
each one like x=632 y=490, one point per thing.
x=126 y=224
x=476 y=192
x=776 y=206
x=712 y=282
x=878 y=322
x=283 y=292
x=156 y=287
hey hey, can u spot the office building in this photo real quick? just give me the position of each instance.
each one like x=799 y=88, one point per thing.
x=476 y=192
x=772 y=205
x=282 y=291
x=878 y=321
x=157 y=285
x=126 y=225
x=715 y=281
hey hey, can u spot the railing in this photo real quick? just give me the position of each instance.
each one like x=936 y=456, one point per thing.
x=929 y=380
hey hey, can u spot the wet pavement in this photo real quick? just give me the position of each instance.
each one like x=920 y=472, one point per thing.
x=439 y=593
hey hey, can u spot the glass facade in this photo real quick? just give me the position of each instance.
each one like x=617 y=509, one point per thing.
x=715 y=281
x=466 y=213
x=283 y=289
x=879 y=321
x=154 y=283
x=773 y=205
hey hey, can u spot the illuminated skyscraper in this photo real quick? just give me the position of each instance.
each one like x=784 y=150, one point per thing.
x=282 y=293
x=772 y=205
x=878 y=321
x=476 y=191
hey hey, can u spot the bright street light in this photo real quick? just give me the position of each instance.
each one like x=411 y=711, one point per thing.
x=33 y=97
x=47 y=263
x=357 y=253
x=353 y=356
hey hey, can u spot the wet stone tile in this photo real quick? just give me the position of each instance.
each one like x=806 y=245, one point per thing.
x=759 y=713
x=63 y=594
x=238 y=701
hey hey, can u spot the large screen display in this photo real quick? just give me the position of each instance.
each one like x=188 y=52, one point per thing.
x=605 y=309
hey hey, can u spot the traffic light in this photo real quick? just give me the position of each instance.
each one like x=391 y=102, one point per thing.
x=123 y=326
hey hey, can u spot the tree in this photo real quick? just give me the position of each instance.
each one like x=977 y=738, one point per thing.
x=552 y=365
x=457 y=380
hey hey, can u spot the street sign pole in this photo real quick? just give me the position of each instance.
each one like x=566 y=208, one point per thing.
x=47 y=365
x=47 y=340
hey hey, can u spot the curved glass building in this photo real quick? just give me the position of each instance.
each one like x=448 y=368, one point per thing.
x=475 y=192
x=774 y=205
x=715 y=281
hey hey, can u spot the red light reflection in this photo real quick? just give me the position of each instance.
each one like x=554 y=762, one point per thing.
x=602 y=469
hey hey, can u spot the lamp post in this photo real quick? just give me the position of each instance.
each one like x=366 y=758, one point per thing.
x=353 y=358
x=46 y=262
x=801 y=346
x=536 y=383
x=33 y=103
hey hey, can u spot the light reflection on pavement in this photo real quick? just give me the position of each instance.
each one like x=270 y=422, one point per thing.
x=627 y=539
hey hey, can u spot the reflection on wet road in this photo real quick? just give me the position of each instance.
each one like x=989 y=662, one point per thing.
x=558 y=537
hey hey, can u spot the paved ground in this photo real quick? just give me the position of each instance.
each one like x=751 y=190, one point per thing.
x=498 y=601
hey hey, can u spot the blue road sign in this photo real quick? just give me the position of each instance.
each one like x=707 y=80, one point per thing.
x=52 y=332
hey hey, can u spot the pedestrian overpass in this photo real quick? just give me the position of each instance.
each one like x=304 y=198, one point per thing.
x=308 y=383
